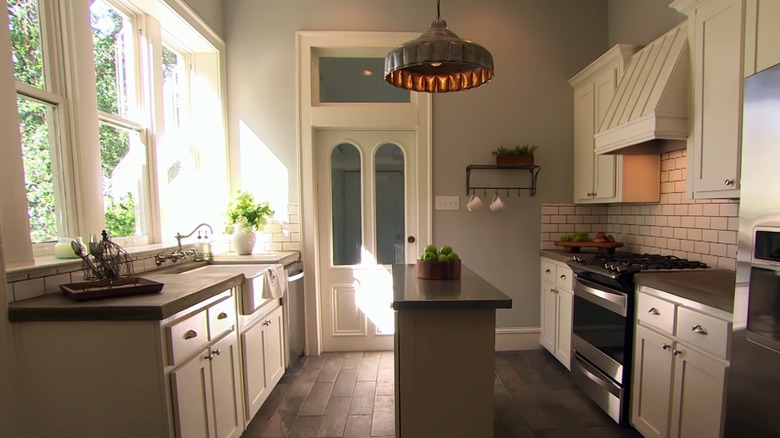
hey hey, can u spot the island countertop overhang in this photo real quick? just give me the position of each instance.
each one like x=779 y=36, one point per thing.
x=470 y=291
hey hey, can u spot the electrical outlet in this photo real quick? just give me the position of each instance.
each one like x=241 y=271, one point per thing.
x=448 y=203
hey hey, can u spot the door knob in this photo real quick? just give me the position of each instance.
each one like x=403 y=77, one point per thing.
x=410 y=239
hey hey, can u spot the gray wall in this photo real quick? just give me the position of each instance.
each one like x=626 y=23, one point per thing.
x=537 y=46
x=640 y=21
x=211 y=12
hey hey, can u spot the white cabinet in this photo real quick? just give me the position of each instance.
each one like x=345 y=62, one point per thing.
x=262 y=343
x=679 y=372
x=715 y=36
x=607 y=178
x=556 y=311
x=761 y=35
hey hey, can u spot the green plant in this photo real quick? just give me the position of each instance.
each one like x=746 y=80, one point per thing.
x=247 y=215
x=579 y=236
x=517 y=150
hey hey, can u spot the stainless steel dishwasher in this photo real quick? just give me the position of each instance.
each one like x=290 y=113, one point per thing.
x=293 y=305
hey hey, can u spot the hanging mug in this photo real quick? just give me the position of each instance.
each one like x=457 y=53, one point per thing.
x=496 y=203
x=474 y=202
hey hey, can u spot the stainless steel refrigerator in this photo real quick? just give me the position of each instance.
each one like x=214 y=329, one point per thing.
x=753 y=391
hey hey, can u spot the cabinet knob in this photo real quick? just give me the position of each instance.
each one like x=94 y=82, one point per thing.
x=728 y=182
x=665 y=346
x=222 y=315
x=654 y=311
x=699 y=329
x=676 y=352
x=267 y=322
x=217 y=352
x=189 y=334
x=547 y=271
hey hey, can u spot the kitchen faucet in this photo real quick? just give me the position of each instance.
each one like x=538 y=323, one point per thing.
x=179 y=236
x=204 y=251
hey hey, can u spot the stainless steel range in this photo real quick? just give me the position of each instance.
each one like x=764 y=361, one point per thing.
x=603 y=323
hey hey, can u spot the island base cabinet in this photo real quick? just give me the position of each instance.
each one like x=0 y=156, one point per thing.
x=206 y=393
x=444 y=371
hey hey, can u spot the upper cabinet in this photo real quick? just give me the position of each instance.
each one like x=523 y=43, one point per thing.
x=607 y=178
x=762 y=34
x=715 y=33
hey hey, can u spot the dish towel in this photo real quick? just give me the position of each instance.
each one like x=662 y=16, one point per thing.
x=275 y=281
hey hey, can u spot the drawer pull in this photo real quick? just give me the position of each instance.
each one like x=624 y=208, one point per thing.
x=216 y=352
x=189 y=334
x=547 y=271
x=699 y=329
x=563 y=277
x=222 y=315
x=267 y=322
x=676 y=352
x=654 y=311
x=665 y=346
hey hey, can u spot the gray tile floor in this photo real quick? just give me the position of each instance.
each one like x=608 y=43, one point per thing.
x=351 y=395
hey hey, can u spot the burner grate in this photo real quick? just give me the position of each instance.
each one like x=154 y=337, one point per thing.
x=633 y=262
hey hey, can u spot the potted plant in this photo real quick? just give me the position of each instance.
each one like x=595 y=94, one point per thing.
x=517 y=156
x=244 y=218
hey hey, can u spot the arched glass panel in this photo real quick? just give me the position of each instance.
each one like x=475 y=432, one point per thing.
x=346 y=204
x=389 y=196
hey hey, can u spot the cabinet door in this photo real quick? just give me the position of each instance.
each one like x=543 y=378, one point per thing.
x=697 y=405
x=605 y=166
x=584 y=114
x=192 y=398
x=651 y=383
x=256 y=388
x=273 y=347
x=563 y=344
x=548 y=323
x=717 y=53
x=761 y=35
x=228 y=416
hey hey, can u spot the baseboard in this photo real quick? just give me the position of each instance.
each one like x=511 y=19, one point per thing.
x=517 y=338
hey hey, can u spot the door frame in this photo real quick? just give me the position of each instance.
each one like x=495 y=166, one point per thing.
x=312 y=115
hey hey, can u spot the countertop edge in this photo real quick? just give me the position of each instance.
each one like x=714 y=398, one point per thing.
x=718 y=294
x=444 y=305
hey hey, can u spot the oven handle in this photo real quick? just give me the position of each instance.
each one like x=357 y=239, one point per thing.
x=603 y=296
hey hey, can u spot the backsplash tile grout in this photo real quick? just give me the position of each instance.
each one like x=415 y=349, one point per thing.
x=703 y=229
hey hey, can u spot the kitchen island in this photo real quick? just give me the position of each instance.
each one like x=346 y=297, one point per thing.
x=444 y=354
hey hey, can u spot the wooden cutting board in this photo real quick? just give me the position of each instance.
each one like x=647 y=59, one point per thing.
x=603 y=247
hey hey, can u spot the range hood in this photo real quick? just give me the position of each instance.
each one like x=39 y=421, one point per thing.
x=650 y=106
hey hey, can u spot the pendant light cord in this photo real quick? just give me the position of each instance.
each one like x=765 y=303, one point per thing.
x=438 y=10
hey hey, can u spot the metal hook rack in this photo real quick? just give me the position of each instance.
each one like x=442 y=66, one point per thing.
x=532 y=170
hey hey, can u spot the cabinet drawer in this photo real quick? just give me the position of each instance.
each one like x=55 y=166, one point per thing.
x=564 y=277
x=548 y=271
x=222 y=317
x=656 y=312
x=187 y=336
x=703 y=331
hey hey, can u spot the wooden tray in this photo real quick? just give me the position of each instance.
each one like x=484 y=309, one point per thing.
x=120 y=287
x=438 y=270
x=603 y=247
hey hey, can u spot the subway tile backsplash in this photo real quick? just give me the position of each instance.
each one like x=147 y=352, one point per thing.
x=702 y=229
x=284 y=236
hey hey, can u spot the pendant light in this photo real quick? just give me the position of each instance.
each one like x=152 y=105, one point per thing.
x=438 y=61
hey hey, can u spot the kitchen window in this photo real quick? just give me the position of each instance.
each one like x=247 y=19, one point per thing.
x=157 y=128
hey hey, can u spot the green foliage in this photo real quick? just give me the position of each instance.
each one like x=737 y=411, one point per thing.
x=120 y=216
x=246 y=214
x=517 y=150
x=579 y=236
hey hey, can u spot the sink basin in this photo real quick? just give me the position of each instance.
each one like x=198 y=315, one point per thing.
x=253 y=292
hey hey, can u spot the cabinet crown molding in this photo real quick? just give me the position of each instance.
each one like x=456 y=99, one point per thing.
x=686 y=6
x=622 y=51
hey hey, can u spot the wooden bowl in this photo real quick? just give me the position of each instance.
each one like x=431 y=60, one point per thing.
x=438 y=270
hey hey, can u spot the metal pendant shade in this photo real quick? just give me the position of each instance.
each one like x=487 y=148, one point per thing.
x=438 y=62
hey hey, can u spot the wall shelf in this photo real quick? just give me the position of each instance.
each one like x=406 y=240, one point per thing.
x=533 y=172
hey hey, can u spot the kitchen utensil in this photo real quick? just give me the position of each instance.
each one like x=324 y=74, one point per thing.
x=496 y=204
x=79 y=250
x=474 y=202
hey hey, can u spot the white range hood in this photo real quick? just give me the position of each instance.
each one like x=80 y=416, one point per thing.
x=650 y=106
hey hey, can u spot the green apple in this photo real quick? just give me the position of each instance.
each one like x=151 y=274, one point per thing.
x=429 y=257
x=443 y=258
x=446 y=249
x=430 y=248
x=452 y=256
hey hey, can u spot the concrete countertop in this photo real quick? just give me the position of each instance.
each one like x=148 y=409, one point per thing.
x=711 y=287
x=283 y=257
x=563 y=256
x=179 y=293
x=470 y=291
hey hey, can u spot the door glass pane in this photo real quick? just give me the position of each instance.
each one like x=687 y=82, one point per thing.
x=346 y=205
x=357 y=80
x=389 y=177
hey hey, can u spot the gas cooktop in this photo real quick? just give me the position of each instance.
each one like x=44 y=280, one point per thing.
x=630 y=263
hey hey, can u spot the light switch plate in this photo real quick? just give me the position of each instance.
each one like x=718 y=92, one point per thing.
x=448 y=203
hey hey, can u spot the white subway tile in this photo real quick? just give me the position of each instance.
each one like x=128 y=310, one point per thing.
x=664 y=176
x=545 y=219
x=635 y=229
x=582 y=210
x=694 y=256
x=655 y=231
x=687 y=245
x=545 y=236
x=680 y=254
x=295 y=237
x=556 y=236
x=694 y=234
x=626 y=209
x=703 y=201
x=667 y=165
x=291 y=246
x=673 y=244
x=702 y=247
x=604 y=219
x=626 y=229
x=650 y=220
x=709 y=235
x=727 y=263
x=292 y=208
x=674 y=221
x=729 y=237
x=639 y=220
x=650 y=241
x=296 y=228
x=664 y=198
x=636 y=209
x=679 y=186
x=644 y=210
x=584 y=227
x=702 y=222
x=566 y=210
x=709 y=260
x=667 y=232
x=718 y=249
x=662 y=242
x=675 y=175
x=662 y=221
x=279 y=237
x=574 y=219
x=684 y=174
x=667 y=210
x=688 y=221
x=681 y=210
x=601 y=210
x=550 y=228
x=28 y=289
x=52 y=284
x=719 y=223
x=680 y=163
x=731 y=251
x=731 y=210
x=675 y=198
x=711 y=209
x=695 y=209
x=644 y=230
x=549 y=210
x=294 y=219
x=548 y=245
x=557 y=219
x=733 y=224
x=272 y=228
x=566 y=228
x=591 y=219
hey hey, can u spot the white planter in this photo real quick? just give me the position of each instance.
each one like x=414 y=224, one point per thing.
x=243 y=243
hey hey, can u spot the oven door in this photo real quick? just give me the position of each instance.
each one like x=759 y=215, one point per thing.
x=600 y=327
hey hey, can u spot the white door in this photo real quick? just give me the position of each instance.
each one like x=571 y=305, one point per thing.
x=366 y=202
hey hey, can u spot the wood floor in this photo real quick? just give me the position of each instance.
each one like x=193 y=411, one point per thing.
x=351 y=395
